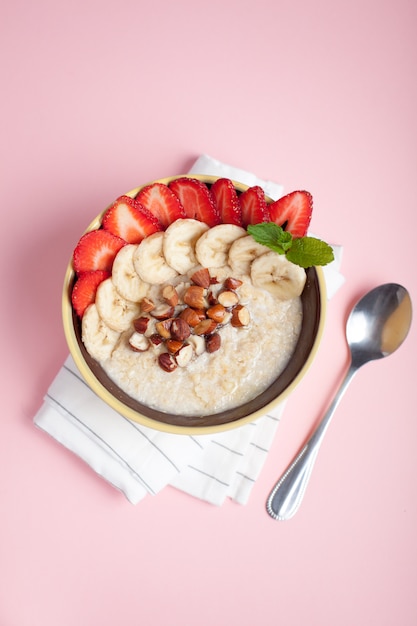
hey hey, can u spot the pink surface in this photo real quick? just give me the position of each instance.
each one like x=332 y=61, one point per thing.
x=98 y=97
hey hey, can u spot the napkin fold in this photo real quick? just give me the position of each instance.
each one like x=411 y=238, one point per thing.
x=139 y=460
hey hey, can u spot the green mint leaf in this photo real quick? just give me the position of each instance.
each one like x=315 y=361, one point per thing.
x=271 y=235
x=309 y=251
x=303 y=251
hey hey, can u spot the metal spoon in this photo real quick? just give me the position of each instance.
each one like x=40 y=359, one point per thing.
x=377 y=326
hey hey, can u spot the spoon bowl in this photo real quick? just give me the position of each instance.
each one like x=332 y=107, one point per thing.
x=377 y=326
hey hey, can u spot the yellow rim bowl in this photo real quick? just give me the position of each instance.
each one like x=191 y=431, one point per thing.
x=314 y=311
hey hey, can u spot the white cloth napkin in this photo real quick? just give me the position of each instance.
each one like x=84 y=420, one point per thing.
x=138 y=460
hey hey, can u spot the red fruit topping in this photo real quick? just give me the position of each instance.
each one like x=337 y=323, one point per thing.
x=253 y=205
x=96 y=251
x=162 y=203
x=196 y=200
x=226 y=201
x=84 y=291
x=129 y=220
x=293 y=212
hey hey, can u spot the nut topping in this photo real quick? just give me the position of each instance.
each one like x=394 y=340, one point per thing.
x=190 y=316
x=184 y=355
x=141 y=324
x=202 y=278
x=156 y=339
x=170 y=294
x=195 y=297
x=211 y=298
x=205 y=327
x=232 y=283
x=197 y=343
x=213 y=342
x=138 y=342
x=186 y=319
x=173 y=346
x=180 y=330
x=240 y=316
x=167 y=362
x=164 y=328
x=146 y=305
x=163 y=311
x=228 y=298
x=216 y=313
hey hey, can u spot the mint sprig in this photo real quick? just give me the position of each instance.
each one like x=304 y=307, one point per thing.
x=302 y=251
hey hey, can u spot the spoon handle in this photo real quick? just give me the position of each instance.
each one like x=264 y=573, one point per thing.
x=285 y=498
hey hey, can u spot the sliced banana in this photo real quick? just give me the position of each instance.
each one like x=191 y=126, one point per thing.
x=127 y=281
x=179 y=243
x=149 y=260
x=98 y=338
x=115 y=311
x=273 y=272
x=212 y=248
x=242 y=252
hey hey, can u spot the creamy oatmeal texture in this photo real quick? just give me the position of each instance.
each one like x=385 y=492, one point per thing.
x=248 y=361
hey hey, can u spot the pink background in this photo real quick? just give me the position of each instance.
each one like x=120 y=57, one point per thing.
x=101 y=96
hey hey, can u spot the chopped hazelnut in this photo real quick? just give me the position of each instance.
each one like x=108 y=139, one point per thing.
x=213 y=342
x=173 y=345
x=195 y=297
x=162 y=311
x=217 y=313
x=163 y=328
x=180 y=330
x=138 y=342
x=205 y=327
x=146 y=305
x=184 y=355
x=167 y=362
x=197 y=343
x=201 y=278
x=170 y=294
x=228 y=298
x=156 y=339
x=232 y=283
x=240 y=316
x=141 y=324
x=190 y=316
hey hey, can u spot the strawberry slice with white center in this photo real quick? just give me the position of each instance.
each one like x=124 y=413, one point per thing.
x=96 y=250
x=196 y=200
x=293 y=212
x=253 y=206
x=227 y=202
x=129 y=220
x=84 y=291
x=162 y=203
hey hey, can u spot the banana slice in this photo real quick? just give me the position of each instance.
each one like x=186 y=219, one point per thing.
x=273 y=272
x=124 y=276
x=212 y=247
x=149 y=260
x=98 y=338
x=242 y=252
x=179 y=243
x=115 y=311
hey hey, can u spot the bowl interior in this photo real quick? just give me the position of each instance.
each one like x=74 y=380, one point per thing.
x=313 y=304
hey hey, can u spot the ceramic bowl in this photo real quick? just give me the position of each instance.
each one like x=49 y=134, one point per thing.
x=314 y=308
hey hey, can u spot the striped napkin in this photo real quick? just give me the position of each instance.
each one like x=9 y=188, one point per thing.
x=138 y=460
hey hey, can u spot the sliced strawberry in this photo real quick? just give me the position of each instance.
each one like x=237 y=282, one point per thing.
x=129 y=220
x=96 y=251
x=84 y=291
x=162 y=203
x=253 y=205
x=226 y=201
x=196 y=200
x=293 y=212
